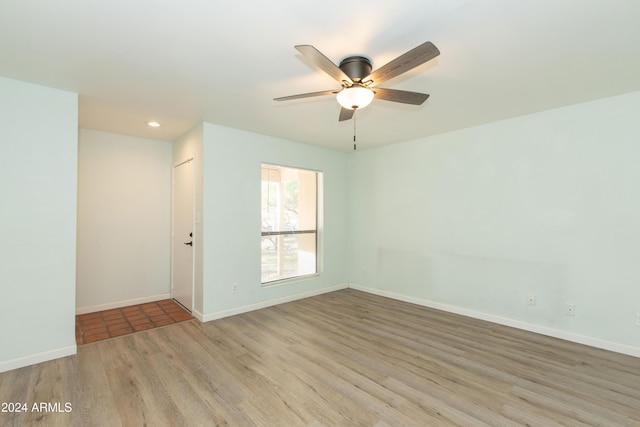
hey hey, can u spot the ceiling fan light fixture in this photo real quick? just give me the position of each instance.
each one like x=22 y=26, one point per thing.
x=355 y=97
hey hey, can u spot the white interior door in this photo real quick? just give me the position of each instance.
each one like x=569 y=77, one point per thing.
x=183 y=234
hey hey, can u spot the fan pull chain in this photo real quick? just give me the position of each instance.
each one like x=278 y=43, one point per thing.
x=354 y=129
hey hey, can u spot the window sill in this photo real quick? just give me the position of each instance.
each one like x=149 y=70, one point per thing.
x=290 y=280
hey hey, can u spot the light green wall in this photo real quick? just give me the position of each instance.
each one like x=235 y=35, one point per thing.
x=545 y=205
x=39 y=138
x=231 y=216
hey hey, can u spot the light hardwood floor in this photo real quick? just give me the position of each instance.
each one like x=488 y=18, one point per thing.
x=345 y=358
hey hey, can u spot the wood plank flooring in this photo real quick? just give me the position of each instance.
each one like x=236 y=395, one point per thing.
x=345 y=358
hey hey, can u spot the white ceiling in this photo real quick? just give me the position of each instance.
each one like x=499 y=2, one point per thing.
x=223 y=62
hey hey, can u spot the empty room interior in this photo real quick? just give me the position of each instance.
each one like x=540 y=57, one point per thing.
x=459 y=247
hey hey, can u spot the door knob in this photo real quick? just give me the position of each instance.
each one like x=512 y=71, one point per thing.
x=189 y=243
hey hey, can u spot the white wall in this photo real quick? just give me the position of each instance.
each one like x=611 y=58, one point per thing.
x=39 y=140
x=124 y=211
x=232 y=226
x=478 y=219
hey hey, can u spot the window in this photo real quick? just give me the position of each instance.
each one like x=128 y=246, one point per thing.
x=289 y=223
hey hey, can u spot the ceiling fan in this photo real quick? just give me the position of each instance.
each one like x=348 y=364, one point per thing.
x=359 y=84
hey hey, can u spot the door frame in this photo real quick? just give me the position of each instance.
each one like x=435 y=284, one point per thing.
x=191 y=159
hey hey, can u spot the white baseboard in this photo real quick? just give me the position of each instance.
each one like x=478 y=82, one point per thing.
x=195 y=313
x=264 y=304
x=118 y=304
x=32 y=359
x=543 y=330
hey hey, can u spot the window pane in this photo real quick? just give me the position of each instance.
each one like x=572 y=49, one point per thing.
x=289 y=199
x=289 y=255
x=307 y=199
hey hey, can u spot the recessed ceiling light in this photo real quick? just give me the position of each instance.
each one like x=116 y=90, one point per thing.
x=154 y=124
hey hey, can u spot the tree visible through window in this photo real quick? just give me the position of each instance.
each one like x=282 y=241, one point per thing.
x=289 y=222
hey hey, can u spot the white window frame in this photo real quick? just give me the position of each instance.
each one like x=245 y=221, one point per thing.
x=317 y=231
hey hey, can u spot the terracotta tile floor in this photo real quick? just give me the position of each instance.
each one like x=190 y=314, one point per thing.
x=92 y=327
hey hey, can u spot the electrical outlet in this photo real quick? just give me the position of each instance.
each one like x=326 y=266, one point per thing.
x=234 y=288
x=531 y=300
x=637 y=319
x=569 y=310
x=365 y=272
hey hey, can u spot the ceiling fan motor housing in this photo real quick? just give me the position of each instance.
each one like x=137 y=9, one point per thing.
x=356 y=67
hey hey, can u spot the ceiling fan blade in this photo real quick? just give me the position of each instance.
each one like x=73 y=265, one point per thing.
x=306 y=95
x=405 y=62
x=325 y=64
x=403 y=96
x=345 y=114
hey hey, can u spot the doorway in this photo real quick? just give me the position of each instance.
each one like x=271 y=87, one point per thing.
x=183 y=236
